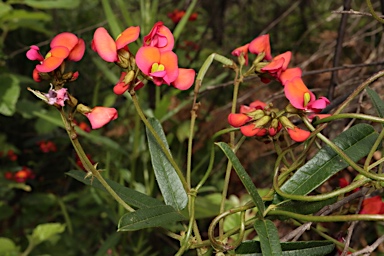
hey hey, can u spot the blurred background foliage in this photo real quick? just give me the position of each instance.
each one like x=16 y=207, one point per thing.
x=29 y=128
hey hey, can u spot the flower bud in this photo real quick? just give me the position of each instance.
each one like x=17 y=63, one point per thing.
x=298 y=134
x=250 y=130
x=237 y=120
x=83 y=109
x=274 y=127
x=123 y=56
x=100 y=116
x=262 y=121
x=285 y=122
x=257 y=114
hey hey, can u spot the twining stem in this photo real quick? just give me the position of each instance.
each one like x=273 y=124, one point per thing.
x=87 y=164
x=372 y=11
x=350 y=115
x=158 y=140
x=373 y=150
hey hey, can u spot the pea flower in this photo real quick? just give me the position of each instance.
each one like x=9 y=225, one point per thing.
x=261 y=45
x=160 y=66
x=278 y=64
x=177 y=14
x=100 y=116
x=289 y=74
x=64 y=46
x=373 y=205
x=302 y=98
x=242 y=50
x=57 y=97
x=107 y=48
x=160 y=37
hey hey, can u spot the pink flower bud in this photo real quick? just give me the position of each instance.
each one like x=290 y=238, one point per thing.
x=237 y=120
x=100 y=116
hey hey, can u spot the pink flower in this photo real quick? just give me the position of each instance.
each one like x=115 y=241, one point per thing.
x=241 y=50
x=122 y=86
x=57 y=97
x=100 y=116
x=298 y=134
x=261 y=45
x=107 y=48
x=160 y=66
x=160 y=37
x=301 y=98
x=64 y=46
x=278 y=64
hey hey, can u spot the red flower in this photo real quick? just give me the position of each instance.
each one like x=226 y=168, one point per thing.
x=261 y=45
x=372 y=205
x=100 y=116
x=47 y=146
x=23 y=175
x=278 y=64
x=8 y=175
x=289 y=74
x=297 y=134
x=177 y=14
x=11 y=155
x=241 y=50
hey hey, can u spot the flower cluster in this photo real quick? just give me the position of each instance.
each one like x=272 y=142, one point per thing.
x=11 y=155
x=20 y=176
x=262 y=119
x=177 y=14
x=47 y=146
x=155 y=59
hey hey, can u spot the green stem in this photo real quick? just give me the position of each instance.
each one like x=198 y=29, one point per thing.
x=332 y=218
x=349 y=115
x=158 y=140
x=88 y=165
x=373 y=150
x=65 y=214
x=372 y=11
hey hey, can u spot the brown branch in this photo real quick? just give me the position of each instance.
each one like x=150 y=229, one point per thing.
x=369 y=249
x=356 y=13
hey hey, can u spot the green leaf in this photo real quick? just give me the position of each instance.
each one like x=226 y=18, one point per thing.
x=44 y=232
x=52 y=4
x=8 y=247
x=311 y=248
x=169 y=182
x=376 y=101
x=244 y=177
x=130 y=196
x=105 y=69
x=269 y=237
x=160 y=216
x=111 y=18
x=9 y=93
x=356 y=142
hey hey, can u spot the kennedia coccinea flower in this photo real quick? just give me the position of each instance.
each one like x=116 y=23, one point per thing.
x=241 y=50
x=302 y=98
x=372 y=205
x=160 y=37
x=122 y=85
x=100 y=116
x=289 y=74
x=107 y=48
x=278 y=64
x=261 y=45
x=64 y=46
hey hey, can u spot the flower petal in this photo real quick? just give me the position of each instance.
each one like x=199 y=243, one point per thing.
x=185 y=79
x=100 y=116
x=319 y=104
x=169 y=60
x=261 y=44
x=145 y=57
x=297 y=134
x=250 y=130
x=161 y=37
x=127 y=36
x=238 y=120
x=241 y=50
x=77 y=52
x=34 y=54
x=65 y=39
x=104 y=45
x=289 y=74
x=295 y=91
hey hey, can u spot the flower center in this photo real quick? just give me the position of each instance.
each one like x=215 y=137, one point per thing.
x=49 y=54
x=157 y=67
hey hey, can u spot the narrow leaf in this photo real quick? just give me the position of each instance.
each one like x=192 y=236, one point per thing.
x=51 y=4
x=305 y=208
x=111 y=242
x=169 y=182
x=356 y=142
x=111 y=18
x=311 y=248
x=244 y=177
x=269 y=237
x=376 y=101
x=160 y=216
x=130 y=196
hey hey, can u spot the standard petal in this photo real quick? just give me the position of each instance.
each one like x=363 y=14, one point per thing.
x=289 y=74
x=65 y=39
x=145 y=57
x=104 y=45
x=241 y=50
x=128 y=36
x=185 y=79
x=169 y=60
x=261 y=44
x=295 y=91
x=77 y=52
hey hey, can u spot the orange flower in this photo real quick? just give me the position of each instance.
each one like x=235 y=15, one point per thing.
x=241 y=50
x=100 y=116
x=298 y=134
x=261 y=45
